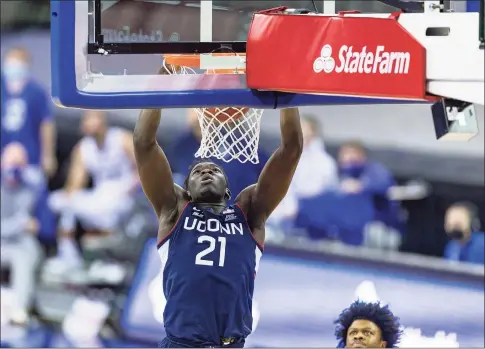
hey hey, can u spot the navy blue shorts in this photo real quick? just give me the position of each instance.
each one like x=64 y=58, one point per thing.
x=174 y=343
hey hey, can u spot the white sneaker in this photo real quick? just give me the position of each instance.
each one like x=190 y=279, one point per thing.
x=62 y=265
x=19 y=317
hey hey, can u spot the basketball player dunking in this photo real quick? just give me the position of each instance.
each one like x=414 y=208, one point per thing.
x=210 y=251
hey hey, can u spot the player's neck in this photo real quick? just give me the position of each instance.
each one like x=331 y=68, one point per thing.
x=216 y=207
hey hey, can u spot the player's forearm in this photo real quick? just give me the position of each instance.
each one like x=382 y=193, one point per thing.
x=145 y=133
x=291 y=134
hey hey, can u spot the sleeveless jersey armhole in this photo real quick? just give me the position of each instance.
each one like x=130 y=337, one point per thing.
x=163 y=240
x=260 y=246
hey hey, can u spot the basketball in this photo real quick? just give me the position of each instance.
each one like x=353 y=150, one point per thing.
x=225 y=113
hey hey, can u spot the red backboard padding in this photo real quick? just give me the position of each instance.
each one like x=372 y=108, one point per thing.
x=347 y=55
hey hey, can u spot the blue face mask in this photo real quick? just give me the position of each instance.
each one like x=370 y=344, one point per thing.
x=353 y=170
x=15 y=71
x=12 y=176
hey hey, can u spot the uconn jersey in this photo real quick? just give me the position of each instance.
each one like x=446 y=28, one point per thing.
x=209 y=265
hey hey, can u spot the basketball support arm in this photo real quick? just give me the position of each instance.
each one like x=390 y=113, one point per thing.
x=454 y=60
x=454 y=69
x=444 y=49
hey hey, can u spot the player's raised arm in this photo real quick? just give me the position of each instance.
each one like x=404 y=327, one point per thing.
x=153 y=167
x=275 y=179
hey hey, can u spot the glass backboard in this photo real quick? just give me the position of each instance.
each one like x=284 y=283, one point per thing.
x=170 y=26
x=119 y=47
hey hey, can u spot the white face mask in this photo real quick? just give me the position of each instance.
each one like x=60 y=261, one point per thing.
x=15 y=70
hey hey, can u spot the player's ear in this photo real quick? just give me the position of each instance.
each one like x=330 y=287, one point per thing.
x=383 y=344
x=228 y=194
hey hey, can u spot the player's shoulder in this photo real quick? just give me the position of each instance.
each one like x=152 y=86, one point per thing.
x=245 y=201
x=180 y=192
x=182 y=200
x=244 y=198
x=172 y=214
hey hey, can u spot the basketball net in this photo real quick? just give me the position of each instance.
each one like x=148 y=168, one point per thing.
x=228 y=133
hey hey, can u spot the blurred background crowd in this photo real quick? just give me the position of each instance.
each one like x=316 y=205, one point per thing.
x=376 y=202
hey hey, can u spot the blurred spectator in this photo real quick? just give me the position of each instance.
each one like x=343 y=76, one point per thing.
x=181 y=156
x=360 y=198
x=360 y=175
x=315 y=174
x=106 y=154
x=26 y=112
x=463 y=228
x=317 y=170
x=20 y=187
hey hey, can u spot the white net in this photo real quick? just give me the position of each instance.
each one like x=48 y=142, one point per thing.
x=228 y=133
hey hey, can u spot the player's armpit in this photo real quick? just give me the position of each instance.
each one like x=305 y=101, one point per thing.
x=152 y=164
x=275 y=179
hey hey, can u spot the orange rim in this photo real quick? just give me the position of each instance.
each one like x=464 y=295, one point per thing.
x=193 y=61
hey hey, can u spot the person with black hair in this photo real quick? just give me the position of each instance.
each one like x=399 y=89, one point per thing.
x=367 y=325
x=180 y=154
x=210 y=250
x=467 y=242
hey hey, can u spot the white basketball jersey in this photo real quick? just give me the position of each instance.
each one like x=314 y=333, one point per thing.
x=110 y=163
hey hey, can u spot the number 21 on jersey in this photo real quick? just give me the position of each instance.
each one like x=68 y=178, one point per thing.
x=206 y=257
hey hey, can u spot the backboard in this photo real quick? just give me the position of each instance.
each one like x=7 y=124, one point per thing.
x=106 y=54
x=190 y=26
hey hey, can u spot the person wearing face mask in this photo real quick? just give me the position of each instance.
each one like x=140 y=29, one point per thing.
x=467 y=242
x=26 y=112
x=358 y=174
x=20 y=250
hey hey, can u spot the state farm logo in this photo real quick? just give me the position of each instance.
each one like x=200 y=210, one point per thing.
x=325 y=62
x=364 y=61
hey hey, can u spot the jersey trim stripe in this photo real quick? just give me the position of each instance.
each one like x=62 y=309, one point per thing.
x=261 y=247
x=163 y=240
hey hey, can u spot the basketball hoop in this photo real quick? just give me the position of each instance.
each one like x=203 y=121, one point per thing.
x=228 y=133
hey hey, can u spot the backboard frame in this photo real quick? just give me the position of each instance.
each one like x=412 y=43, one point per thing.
x=65 y=91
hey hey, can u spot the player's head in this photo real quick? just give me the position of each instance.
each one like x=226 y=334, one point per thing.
x=16 y=64
x=367 y=325
x=207 y=182
x=93 y=123
x=461 y=219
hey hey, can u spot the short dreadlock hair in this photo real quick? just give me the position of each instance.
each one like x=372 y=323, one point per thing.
x=381 y=315
x=203 y=161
